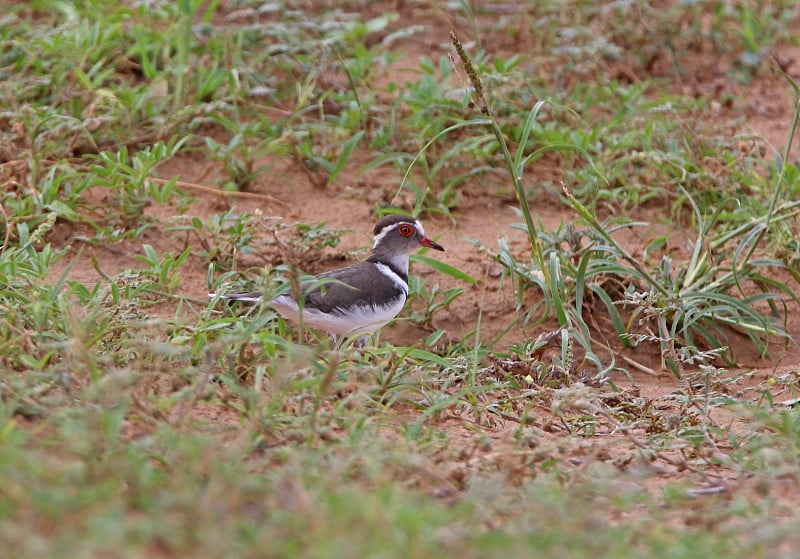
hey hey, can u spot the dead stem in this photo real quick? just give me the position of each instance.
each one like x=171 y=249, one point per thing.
x=218 y=192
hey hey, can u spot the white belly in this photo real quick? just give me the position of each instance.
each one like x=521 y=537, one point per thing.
x=355 y=321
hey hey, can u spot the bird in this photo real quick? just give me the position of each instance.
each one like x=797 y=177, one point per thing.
x=357 y=300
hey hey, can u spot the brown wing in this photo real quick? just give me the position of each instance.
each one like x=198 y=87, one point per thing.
x=354 y=285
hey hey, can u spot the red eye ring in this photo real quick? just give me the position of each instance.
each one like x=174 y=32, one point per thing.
x=405 y=230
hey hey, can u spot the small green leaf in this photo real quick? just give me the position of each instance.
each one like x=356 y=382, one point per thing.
x=434 y=338
x=440 y=266
x=63 y=210
x=344 y=156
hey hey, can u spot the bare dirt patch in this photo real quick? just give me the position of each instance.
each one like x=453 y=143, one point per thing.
x=289 y=194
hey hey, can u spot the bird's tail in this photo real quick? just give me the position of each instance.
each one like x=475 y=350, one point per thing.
x=251 y=296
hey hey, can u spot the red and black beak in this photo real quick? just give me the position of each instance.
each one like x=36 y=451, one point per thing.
x=428 y=242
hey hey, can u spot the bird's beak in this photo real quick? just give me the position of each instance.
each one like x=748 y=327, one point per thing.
x=428 y=242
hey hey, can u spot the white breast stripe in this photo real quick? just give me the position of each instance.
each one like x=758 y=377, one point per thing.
x=389 y=273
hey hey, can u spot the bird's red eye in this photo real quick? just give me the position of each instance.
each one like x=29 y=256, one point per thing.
x=405 y=230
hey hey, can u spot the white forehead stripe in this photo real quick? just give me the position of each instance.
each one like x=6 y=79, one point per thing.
x=385 y=231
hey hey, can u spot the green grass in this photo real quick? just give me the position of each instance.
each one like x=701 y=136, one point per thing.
x=138 y=420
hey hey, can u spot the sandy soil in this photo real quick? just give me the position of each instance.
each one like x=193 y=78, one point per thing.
x=289 y=194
